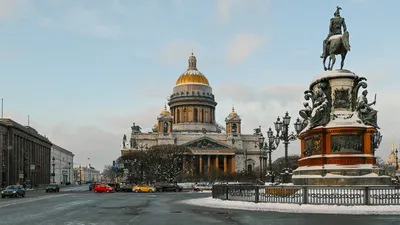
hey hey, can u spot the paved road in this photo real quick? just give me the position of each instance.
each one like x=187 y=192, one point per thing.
x=86 y=208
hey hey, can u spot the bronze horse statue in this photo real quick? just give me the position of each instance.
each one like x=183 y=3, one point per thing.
x=337 y=46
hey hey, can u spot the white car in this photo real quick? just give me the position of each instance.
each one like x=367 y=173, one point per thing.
x=202 y=187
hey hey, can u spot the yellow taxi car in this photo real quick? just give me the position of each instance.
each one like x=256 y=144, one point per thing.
x=142 y=188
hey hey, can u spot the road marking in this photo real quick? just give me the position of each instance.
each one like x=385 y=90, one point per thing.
x=32 y=200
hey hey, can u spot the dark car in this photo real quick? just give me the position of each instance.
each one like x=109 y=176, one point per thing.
x=13 y=191
x=168 y=187
x=53 y=188
x=116 y=186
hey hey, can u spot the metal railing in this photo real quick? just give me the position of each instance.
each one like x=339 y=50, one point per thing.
x=318 y=195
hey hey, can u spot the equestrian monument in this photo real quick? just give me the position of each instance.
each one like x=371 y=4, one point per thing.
x=339 y=131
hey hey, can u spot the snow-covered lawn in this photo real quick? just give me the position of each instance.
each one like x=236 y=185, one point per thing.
x=295 y=208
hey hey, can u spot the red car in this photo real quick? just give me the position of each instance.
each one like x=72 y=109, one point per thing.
x=102 y=188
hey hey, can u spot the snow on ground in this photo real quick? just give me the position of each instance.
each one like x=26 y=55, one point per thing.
x=295 y=208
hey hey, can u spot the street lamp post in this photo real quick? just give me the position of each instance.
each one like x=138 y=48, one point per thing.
x=282 y=129
x=397 y=160
x=80 y=175
x=54 y=172
x=141 y=146
x=69 y=172
x=272 y=145
x=261 y=146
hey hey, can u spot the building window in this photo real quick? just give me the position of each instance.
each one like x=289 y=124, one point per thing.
x=178 y=118
x=250 y=168
x=234 y=128
x=184 y=115
x=165 y=127
x=202 y=115
x=195 y=114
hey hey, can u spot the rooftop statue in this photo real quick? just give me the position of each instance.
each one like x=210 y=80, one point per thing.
x=336 y=43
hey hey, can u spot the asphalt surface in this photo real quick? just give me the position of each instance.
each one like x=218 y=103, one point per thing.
x=75 y=206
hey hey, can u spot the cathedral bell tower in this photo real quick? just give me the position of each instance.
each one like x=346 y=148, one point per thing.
x=164 y=121
x=233 y=123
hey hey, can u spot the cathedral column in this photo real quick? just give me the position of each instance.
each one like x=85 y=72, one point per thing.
x=192 y=165
x=216 y=162
x=184 y=164
x=232 y=164
x=200 y=164
x=208 y=164
x=225 y=164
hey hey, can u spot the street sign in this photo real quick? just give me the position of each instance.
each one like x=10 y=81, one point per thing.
x=21 y=175
x=126 y=171
x=32 y=167
x=121 y=166
x=116 y=165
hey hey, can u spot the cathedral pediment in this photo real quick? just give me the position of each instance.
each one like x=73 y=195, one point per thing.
x=205 y=143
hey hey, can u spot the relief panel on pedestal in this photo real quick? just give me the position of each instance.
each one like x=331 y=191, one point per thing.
x=347 y=143
x=341 y=98
x=313 y=146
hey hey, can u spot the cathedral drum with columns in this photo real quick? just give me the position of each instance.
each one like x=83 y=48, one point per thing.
x=190 y=121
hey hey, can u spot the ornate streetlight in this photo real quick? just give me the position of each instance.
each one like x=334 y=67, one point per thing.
x=69 y=173
x=397 y=161
x=376 y=141
x=286 y=138
x=272 y=145
x=261 y=146
x=54 y=172
x=141 y=147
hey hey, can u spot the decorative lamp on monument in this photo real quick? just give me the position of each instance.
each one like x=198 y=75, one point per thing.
x=282 y=133
x=271 y=145
x=338 y=128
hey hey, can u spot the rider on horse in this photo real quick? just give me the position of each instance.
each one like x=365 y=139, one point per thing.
x=335 y=28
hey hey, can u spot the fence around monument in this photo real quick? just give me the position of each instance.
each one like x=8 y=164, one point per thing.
x=318 y=195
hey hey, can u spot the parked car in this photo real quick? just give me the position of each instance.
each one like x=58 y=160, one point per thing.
x=142 y=188
x=202 y=187
x=116 y=186
x=127 y=187
x=13 y=191
x=103 y=188
x=92 y=186
x=53 y=188
x=168 y=187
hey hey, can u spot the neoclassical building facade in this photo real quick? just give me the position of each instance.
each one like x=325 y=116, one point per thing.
x=190 y=121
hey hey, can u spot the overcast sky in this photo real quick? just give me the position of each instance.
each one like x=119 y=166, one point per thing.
x=85 y=70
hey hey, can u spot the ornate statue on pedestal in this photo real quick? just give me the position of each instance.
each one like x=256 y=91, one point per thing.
x=336 y=43
x=366 y=113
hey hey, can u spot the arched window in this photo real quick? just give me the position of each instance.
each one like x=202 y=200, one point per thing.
x=234 y=128
x=184 y=115
x=202 y=115
x=249 y=168
x=165 y=127
x=178 y=118
x=195 y=115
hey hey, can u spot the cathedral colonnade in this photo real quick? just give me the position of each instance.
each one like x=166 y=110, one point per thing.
x=208 y=163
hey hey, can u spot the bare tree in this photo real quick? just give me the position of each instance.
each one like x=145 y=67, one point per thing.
x=167 y=162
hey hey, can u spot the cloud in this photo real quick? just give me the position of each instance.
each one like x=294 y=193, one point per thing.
x=90 y=22
x=9 y=54
x=179 y=49
x=223 y=10
x=8 y=7
x=242 y=46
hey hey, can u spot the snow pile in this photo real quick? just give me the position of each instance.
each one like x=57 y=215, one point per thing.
x=295 y=208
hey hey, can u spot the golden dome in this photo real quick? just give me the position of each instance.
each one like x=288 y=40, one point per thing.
x=192 y=75
x=233 y=113
x=165 y=111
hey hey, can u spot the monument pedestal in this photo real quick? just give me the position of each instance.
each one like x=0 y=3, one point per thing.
x=338 y=138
